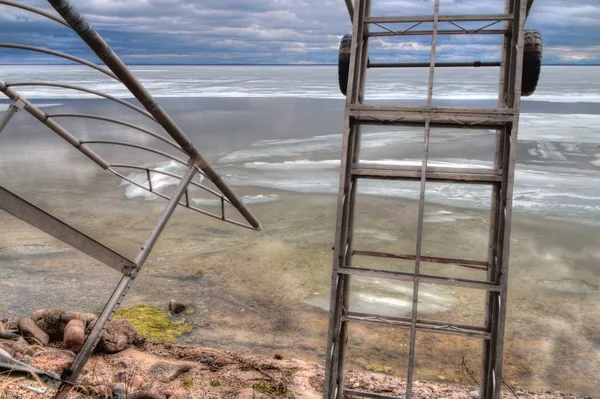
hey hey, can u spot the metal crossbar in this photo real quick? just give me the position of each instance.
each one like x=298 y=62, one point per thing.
x=503 y=119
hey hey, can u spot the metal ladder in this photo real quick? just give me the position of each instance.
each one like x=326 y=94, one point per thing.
x=504 y=120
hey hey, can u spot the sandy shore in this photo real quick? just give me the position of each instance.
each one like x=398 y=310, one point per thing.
x=266 y=293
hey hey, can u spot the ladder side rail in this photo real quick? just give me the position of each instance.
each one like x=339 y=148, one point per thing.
x=330 y=389
x=358 y=92
x=514 y=98
x=413 y=327
x=495 y=215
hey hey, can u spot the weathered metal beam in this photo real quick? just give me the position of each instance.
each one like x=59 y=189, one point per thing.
x=7 y=116
x=471 y=176
x=424 y=278
x=440 y=32
x=472 y=264
x=90 y=36
x=405 y=323
x=475 y=64
x=482 y=118
x=441 y=18
x=366 y=394
x=60 y=230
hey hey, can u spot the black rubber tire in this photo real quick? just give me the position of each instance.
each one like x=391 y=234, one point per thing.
x=344 y=62
x=532 y=62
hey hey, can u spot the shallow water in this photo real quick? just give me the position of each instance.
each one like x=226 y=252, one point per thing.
x=268 y=292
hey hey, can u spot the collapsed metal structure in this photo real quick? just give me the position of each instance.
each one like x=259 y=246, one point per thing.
x=196 y=164
x=504 y=119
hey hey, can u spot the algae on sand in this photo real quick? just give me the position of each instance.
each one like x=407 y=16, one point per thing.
x=154 y=323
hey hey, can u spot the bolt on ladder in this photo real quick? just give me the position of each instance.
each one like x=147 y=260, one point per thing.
x=504 y=120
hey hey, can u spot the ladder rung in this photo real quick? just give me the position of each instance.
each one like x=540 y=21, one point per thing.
x=476 y=64
x=440 y=32
x=477 y=118
x=472 y=264
x=365 y=394
x=471 y=176
x=441 y=18
x=423 y=278
x=428 y=326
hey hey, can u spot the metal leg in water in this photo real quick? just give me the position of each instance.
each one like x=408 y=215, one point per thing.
x=71 y=375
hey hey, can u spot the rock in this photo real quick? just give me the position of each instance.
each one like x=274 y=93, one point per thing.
x=474 y=394
x=53 y=360
x=356 y=385
x=176 y=307
x=74 y=335
x=150 y=393
x=167 y=372
x=118 y=335
x=180 y=396
x=29 y=329
x=54 y=321
x=137 y=381
x=119 y=391
x=102 y=391
x=247 y=393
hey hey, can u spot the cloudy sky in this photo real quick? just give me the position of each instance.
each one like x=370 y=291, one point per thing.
x=286 y=31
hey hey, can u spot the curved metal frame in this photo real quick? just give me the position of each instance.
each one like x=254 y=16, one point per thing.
x=72 y=18
x=207 y=189
x=140 y=147
x=60 y=55
x=118 y=122
x=35 y=11
x=85 y=90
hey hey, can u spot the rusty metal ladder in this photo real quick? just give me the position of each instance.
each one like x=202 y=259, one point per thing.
x=504 y=120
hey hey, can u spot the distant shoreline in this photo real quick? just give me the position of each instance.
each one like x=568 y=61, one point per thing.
x=242 y=64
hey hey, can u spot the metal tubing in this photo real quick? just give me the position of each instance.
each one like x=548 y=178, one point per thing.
x=123 y=287
x=119 y=122
x=34 y=10
x=60 y=55
x=440 y=32
x=161 y=172
x=193 y=208
x=476 y=64
x=424 y=278
x=37 y=217
x=350 y=8
x=79 y=24
x=415 y=302
x=472 y=264
x=7 y=116
x=83 y=89
x=138 y=146
x=441 y=18
x=55 y=127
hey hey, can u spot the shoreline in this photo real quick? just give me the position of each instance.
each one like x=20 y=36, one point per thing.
x=151 y=369
x=237 y=306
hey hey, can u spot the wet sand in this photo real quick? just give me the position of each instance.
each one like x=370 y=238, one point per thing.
x=265 y=292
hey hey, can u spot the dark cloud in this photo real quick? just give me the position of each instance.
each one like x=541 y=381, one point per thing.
x=287 y=31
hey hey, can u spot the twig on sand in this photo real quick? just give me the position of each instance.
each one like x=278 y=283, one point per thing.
x=467 y=370
x=511 y=388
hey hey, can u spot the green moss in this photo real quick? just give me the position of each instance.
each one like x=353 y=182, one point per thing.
x=199 y=272
x=187 y=383
x=270 y=389
x=263 y=386
x=153 y=323
x=215 y=383
x=189 y=310
x=379 y=369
